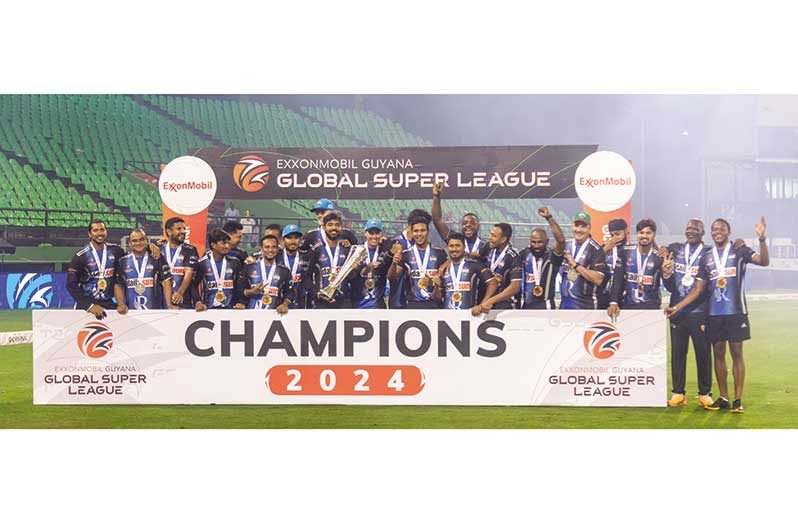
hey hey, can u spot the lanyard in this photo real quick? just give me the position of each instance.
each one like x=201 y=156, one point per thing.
x=172 y=260
x=688 y=259
x=100 y=265
x=720 y=263
x=267 y=279
x=422 y=263
x=473 y=248
x=293 y=266
x=369 y=257
x=578 y=255
x=494 y=262
x=219 y=279
x=536 y=266
x=333 y=258
x=140 y=270
x=457 y=272
x=641 y=266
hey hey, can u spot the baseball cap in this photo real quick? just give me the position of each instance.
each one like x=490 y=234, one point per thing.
x=324 y=205
x=582 y=217
x=373 y=224
x=291 y=229
x=617 y=224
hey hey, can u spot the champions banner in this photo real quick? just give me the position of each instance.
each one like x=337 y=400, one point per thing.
x=569 y=358
x=529 y=171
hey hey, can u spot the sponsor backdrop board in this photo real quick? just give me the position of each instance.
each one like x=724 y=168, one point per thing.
x=569 y=358
x=529 y=171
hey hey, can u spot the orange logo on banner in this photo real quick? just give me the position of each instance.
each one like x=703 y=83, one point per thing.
x=345 y=380
x=95 y=339
x=602 y=340
x=196 y=226
x=599 y=221
x=251 y=173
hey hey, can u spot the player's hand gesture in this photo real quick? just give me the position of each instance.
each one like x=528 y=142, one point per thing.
x=760 y=227
x=155 y=251
x=121 y=308
x=200 y=307
x=97 y=310
x=282 y=308
x=346 y=244
x=544 y=213
x=613 y=310
x=437 y=189
x=177 y=298
x=667 y=265
x=663 y=251
x=569 y=259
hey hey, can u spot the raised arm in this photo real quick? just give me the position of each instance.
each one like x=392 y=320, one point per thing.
x=763 y=258
x=437 y=212
x=556 y=231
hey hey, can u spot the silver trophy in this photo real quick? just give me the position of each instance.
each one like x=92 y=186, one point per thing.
x=357 y=254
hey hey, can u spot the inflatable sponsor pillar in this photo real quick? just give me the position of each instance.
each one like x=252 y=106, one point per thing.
x=605 y=182
x=187 y=186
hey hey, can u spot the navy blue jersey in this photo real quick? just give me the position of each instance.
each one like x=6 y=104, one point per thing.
x=297 y=264
x=396 y=298
x=369 y=292
x=463 y=293
x=579 y=293
x=145 y=292
x=315 y=238
x=549 y=264
x=611 y=261
x=240 y=254
x=726 y=281
x=277 y=289
x=229 y=293
x=412 y=268
x=179 y=259
x=86 y=283
x=506 y=270
x=637 y=290
x=320 y=269
x=679 y=286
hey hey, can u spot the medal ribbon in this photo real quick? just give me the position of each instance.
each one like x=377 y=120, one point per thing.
x=457 y=272
x=422 y=264
x=688 y=259
x=333 y=258
x=293 y=266
x=473 y=248
x=641 y=266
x=494 y=262
x=720 y=263
x=172 y=260
x=267 y=278
x=140 y=270
x=219 y=279
x=100 y=265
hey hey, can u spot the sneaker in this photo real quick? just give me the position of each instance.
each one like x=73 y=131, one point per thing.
x=720 y=403
x=737 y=407
x=677 y=400
x=705 y=400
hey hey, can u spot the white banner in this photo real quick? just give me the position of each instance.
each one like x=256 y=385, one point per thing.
x=571 y=358
x=15 y=338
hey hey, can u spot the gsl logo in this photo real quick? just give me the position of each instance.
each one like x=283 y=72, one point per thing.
x=95 y=339
x=251 y=173
x=602 y=340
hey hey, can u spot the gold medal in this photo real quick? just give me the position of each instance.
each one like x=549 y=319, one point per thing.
x=422 y=283
x=140 y=287
x=537 y=291
x=640 y=289
x=219 y=296
x=721 y=283
x=572 y=275
x=457 y=296
x=370 y=283
x=266 y=300
x=102 y=284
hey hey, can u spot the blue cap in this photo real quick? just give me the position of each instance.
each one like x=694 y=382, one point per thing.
x=291 y=229
x=324 y=205
x=373 y=224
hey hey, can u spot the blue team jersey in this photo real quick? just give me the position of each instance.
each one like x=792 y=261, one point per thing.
x=142 y=293
x=396 y=298
x=549 y=264
x=88 y=274
x=413 y=292
x=579 y=293
x=506 y=270
x=726 y=284
x=179 y=259
x=611 y=261
x=641 y=290
x=371 y=294
x=276 y=288
x=464 y=293
x=296 y=265
x=320 y=270
x=215 y=297
x=681 y=268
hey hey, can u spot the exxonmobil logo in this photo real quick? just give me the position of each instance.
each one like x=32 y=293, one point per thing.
x=95 y=339
x=251 y=173
x=186 y=186
x=601 y=340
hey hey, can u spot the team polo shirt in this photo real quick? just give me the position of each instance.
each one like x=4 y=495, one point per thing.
x=579 y=293
x=727 y=297
x=179 y=259
x=507 y=271
x=142 y=291
x=372 y=295
x=611 y=261
x=676 y=284
x=465 y=278
x=278 y=288
x=84 y=275
x=412 y=268
x=396 y=298
x=297 y=265
x=229 y=285
x=549 y=264
x=320 y=268
x=627 y=291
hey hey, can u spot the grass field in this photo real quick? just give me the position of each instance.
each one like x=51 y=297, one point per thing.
x=770 y=398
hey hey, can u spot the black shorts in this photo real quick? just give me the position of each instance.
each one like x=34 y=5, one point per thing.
x=731 y=327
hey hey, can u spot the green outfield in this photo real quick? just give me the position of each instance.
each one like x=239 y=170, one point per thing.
x=770 y=398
